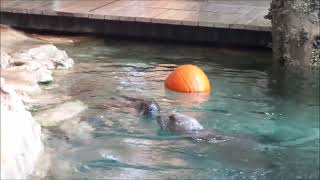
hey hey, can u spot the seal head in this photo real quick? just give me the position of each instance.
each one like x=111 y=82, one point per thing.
x=187 y=126
x=179 y=123
x=150 y=108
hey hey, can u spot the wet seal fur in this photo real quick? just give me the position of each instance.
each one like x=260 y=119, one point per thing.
x=233 y=149
x=175 y=123
x=181 y=124
x=145 y=107
x=149 y=108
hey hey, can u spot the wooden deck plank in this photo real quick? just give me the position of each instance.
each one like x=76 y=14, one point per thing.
x=182 y=5
x=114 y=6
x=244 y=19
x=86 y=6
x=29 y=7
x=143 y=13
x=234 y=14
x=154 y=4
x=8 y=5
x=256 y=3
x=260 y=23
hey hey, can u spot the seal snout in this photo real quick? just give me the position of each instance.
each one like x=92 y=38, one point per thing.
x=150 y=108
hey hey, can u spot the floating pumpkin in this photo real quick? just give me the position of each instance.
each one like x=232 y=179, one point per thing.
x=188 y=78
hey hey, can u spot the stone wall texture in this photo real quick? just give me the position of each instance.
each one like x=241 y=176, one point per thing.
x=296 y=32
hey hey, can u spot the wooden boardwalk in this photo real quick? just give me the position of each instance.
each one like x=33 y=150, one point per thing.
x=234 y=14
x=177 y=16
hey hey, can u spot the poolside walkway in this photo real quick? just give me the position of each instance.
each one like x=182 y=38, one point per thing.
x=235 y=14
x=218 y=14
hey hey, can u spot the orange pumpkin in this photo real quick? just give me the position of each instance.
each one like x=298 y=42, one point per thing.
x=188 y=78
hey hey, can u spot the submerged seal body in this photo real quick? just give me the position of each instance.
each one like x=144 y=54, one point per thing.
x=187 y=126
x=230 y=149
x=146 y=107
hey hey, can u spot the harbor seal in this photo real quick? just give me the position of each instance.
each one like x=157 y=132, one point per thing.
x=149 y=108
x=186 y=126
x=232 y=149
x=145 y=107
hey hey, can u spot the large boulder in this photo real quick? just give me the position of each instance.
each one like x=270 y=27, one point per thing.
x=24 y=82
x=21 y=144
x=60 y=113
x=25 y=63
x=5 y=60
x=48 y=56
x=296 y=32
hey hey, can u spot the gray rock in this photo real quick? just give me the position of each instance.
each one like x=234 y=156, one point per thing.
x=21 y=144
x=60 y=113
x=52 y=54
x=5 y=60
x=25 y=63
x=295 y=27
x=48 y=56
x=42 y=59
x=44 y=76
x=24 y=82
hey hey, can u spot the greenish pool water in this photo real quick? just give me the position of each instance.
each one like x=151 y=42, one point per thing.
x=274 y=114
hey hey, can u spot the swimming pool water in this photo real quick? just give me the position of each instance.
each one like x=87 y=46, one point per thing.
x=275 y=114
